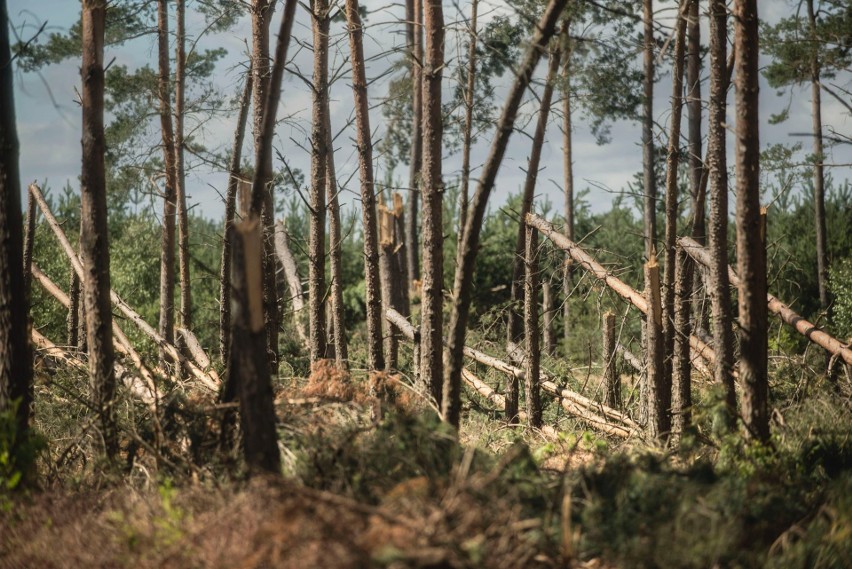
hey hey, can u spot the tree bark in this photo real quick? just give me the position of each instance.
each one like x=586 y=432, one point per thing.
x=515 y=325
x=819 y=176
x=387 y=275
x=267 y=95
x=682 y=378
x=720 y=292
x=532 y=368
x=649 y=175
x=94 y=234
x=16 y=366
x=751 y=246
x=467 y=134
x=319 y=183
x=672 y=163
x=291 y=275
x=185 y=319
x=248 y=368
x=432 y=190
x=72 y=319
x=568 y=173
x=234 y=177
x=338 y=340
x=612 y=382
x=368 y=197
x=659 y=394
x=466 y=259
x=167 y=255
x=412 y=245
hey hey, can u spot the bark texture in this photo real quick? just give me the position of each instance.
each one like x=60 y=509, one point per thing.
x=649 y=176
x=368 y=197
x=682 y=370
x=659 y=394
x=751 y=231
x=612 y=381
x=432 y=191
x=532 y=369
x=185 y=320
x=467 y=133
x=16 y=371
x=167 y=254
x=94 y=233
x=415 y=42
x=568 y=173
x=720 y=291
x=319 y=183
x=466 y=260
x=335 y=254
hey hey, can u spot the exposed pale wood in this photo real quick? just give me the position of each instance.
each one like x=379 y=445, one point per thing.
x=617 y=285
x=291 y=275
x=800 y=324
x=125 y=308
x=197 y=352
x=657 y=387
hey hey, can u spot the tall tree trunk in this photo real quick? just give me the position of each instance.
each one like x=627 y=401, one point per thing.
x=180 y=173
x=568 y=173
x=16 y=363
x=335 y=254
x=751 y=246
x=72 y=319
x=672 y=163
x=532 y=368
x=234 y=177
x=697 y=169
x=649 y=176
x=466 y=259
x=720 y=291
x=432 y=189
x=319 y=182
x=415 y=41
x=167 y=255
x=467 y=134
x=368 y=196
x=267 y=89
x=29 y=241
x=262 y=203
x=819 y=178
x=659 y=394
x=515 y=327
x=94 y=234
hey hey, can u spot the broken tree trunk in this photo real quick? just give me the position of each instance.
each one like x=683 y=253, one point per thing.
x=291 y=274
x=248 y=368
x=658 y=389
x=617 y=285
x=681 y=376
x=389 y=279
x=531 y=331
x=802 y=326
x=548 y=317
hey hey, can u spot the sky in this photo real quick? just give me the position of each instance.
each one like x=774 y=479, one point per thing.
x=49 y=117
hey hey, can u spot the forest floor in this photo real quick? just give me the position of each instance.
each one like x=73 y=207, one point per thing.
x=400 y=491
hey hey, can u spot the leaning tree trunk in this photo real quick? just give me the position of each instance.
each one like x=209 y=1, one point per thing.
x=266 y=101
x=167 y=254
x=234 y=177
x=648 y=173
x=751 y=245
x=720 y=292
x=319 y=182
x=515 y=327
x=819 y=177
x=94 y=235
x=466 y=259
x=180 y=173
x=467 y=133
x=368 y=197
x=432 y=306
x=672 y=163
x=414 y=14
x=16 y=371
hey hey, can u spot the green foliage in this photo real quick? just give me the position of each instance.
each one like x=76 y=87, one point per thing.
x=18 y=451
x=840 y=283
